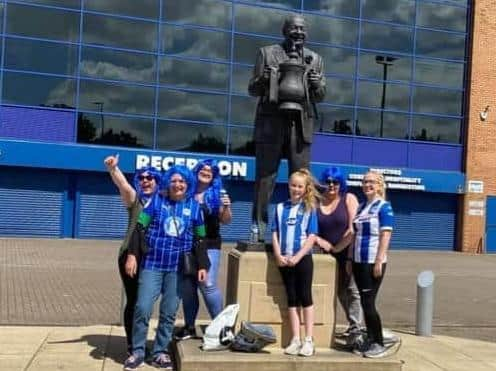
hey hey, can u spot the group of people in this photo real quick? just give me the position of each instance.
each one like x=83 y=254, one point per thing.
x=180 y=213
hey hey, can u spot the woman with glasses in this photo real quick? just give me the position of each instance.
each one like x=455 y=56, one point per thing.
x=373 y=226
x=335 y=217
x=216 y=207
x=146 y=182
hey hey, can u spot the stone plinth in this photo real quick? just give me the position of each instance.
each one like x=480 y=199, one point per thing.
x=254 y=282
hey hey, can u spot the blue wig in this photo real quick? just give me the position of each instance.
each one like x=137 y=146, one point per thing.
x=334 y=173
x=153 y=172
x=212 y=193
x=185 y=173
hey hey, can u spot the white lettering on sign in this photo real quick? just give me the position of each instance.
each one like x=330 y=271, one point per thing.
x=232 y=168
x=393 y=179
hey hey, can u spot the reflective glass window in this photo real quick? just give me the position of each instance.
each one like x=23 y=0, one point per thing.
x=1 y=15
x=115 y=130
x=397 y=67
x=240 y=78
x=259 y=20
x=246 y=47
x=33 y=21
x=241 y=141
x=195 y=42
x=215 y=13
x=118 y=32
x=117 y=65
x=385 y=37
x=183 y=105
x=194 y=74
x=75 y=4
x=442 y=16
x=292 y=4
x=382 y=124
x=334 y=120
x=347 y=8
x=109 y=97
x=336 y=60
x=439 y=73
x=441 y=101
x=40 y=56
x=141 y=8
x=340 y=91
x=332 y=30
x=440 y=44
x=36 y=90
x=396 y=96
x=397 y=11
x=436 y=129
x=191 y=137
x=243 y=110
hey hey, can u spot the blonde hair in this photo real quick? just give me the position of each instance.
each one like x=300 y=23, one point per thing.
x=311 y=195
x=380 y=182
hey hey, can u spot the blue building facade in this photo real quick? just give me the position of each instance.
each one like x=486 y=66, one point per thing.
x=166 y=81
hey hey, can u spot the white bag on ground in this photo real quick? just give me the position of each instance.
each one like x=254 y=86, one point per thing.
x=220 y=333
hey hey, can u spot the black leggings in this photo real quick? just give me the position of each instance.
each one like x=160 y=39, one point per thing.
x=298 y=282
x=131 y=288
x=368 y=286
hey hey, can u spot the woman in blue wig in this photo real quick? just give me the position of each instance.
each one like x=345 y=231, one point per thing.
x=216 y=207
x=146 y=182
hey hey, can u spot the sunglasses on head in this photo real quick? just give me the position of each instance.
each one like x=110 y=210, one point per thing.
x=146 y=177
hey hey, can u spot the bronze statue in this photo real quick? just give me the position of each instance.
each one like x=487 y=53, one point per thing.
x=289 y=80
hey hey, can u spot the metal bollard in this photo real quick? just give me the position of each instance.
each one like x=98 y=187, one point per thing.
x=425 y=303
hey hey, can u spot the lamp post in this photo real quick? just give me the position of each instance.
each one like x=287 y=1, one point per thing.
x=386 y=62
x=100 y=105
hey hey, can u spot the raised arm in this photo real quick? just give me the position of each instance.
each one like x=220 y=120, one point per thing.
x=128 y=194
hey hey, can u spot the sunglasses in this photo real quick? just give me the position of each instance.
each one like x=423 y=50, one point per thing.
x=333 y=182
x=146 y=177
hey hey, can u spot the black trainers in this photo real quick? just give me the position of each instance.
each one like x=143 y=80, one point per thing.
x=133 y=362
x=185 y=333
x=162 y=361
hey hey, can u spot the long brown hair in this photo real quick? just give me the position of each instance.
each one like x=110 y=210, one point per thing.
x=311 y=195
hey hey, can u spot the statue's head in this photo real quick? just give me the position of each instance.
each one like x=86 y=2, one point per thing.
x=294 y=29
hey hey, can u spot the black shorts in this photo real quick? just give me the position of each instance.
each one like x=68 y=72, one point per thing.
x=298 y=282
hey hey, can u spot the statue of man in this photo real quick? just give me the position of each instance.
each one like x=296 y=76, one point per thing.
x=283 y=128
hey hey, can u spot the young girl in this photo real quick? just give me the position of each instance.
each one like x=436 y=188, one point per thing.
x=294 y=232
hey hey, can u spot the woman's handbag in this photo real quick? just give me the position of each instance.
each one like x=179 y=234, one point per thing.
x=189 y=264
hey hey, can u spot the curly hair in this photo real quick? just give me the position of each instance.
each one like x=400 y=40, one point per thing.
x=311 y=195
x=185 y=173
x=212 y=193
x=153 y=172
x=334 y=173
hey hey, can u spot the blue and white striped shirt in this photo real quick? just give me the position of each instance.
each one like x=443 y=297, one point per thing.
x=371 y=219
x=293 y=226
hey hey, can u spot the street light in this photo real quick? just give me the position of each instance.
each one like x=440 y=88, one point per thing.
x=100 y=105
x=386 y=62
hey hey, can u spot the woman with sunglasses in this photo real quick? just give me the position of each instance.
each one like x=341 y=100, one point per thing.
x=146 y=182
x=216 y=207
x=373 y=226
x=335 y=217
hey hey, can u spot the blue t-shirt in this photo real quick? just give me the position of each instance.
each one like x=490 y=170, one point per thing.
x=293 y=226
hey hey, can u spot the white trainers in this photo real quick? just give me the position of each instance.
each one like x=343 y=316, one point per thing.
x=293 y=348
x=307 y=349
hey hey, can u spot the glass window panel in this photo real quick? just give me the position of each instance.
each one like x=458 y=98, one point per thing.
x=108 y=97
x=142 y=8
x=243 y=110
x=436 y=129
x=117 y=65
x=332 y=30
x=347 y=8
x=36 y=90
x=213 y=13
x=396 y=96
x=442 y=16
x=431 y=100
x=294 y=4
x=398 y=67
x=382 y=124
x=259 y=20
x=40 y=56
x=241 y=141
x=194 y=74
x=334 y=120
x=397 y=11
x=195 y=42
x=336 y=60
x=385 y=37
x=246 y=47
x=76 y=4
x=440 y=73
x=1 y=15
x=191 y=137
x=192 y=106
x=440 y=44
x=32 y=21
x=240 y=78
x=118 y=32
x=340 y=91
x=115 y=131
